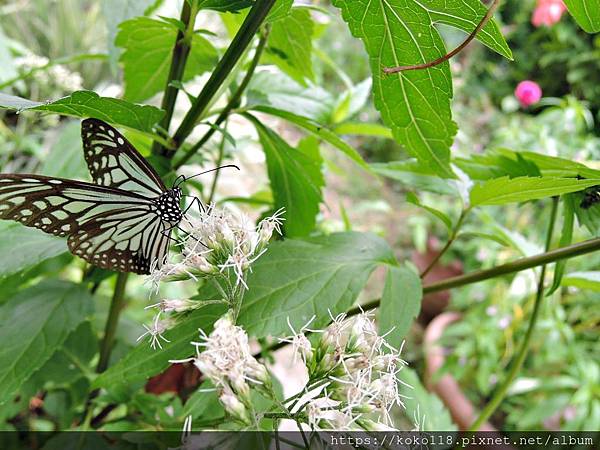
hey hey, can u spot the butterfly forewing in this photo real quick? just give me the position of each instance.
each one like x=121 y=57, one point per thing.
x=123 y=222
x=113 y=161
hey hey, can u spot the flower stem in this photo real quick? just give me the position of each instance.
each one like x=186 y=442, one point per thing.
x=447 y=56
x=116 y=306
x=524 y=347
x=234 y=101
x=451 y=239
x=236 y=49
x=181 y=51
x=218 y=162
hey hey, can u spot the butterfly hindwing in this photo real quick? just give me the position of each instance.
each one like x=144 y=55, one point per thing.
x=129 y=240
x=113 y=161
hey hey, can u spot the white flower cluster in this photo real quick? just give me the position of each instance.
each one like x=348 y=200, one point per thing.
x=218 y=245
x=224 y=357
x=52 y=75
x=218 y=242
x=361 y=370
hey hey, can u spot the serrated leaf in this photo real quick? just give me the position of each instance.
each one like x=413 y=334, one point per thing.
x=501 y=162
x=317 y=130
x=115 y=12
x=586 y=13
x=26 y=247
x=500 y=191
x=143 y=362
x=583 y=280
x=296 y=179
x=33 y=325
x=416 y=104
x=89 y=104
x=566 y=236
x=299 y=278
x=400 y=303
x=290 y=45
x=147 y=50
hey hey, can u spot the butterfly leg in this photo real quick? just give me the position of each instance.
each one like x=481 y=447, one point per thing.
x=195 y=199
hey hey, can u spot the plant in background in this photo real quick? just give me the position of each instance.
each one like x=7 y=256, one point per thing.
x=235 y=77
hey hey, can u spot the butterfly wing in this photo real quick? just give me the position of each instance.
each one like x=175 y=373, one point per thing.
x=113 y=161
x=107 y=227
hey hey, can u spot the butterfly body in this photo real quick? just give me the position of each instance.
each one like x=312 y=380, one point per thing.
x=121 y=222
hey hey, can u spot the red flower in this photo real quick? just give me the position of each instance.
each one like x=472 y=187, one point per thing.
x=528 y=93
x=547 y=12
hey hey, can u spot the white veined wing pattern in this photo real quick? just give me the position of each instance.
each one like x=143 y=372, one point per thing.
x=121 y=223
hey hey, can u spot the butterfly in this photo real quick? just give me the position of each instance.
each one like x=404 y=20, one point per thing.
x=122 y=221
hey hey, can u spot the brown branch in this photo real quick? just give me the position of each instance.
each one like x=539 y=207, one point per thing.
x=447 y=56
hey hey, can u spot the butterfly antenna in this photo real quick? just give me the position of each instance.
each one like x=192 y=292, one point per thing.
x=184 y=179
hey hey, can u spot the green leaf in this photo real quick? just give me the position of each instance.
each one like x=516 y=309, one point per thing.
x=65 y=158
x=412 y=198
x=500 y=191
x=297 y=279
x=583 y=280
x=115 y=12
x=423 y=405
x=71 y=361
x=203 y=404
x=89 y=104
x=148 y=46
x=143 y=362
x=416 y=104
x=501 y=162
x=566 y=237
x=33 y=325
x=290 y=45
x=316 y=130
x=364 y=129
x=413 y=174
x=586 y=13
x=279 y=91
x=279 y=11
x=26 y=247
x=296 y=179
x=400 y=303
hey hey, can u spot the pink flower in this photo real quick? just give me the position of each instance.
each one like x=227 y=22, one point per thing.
x=528 y=93
x=547 y=12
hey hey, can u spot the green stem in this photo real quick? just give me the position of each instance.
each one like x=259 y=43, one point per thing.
x=116 y=306
x=451 y=239
x=181 y=51
x=236 y=49
x=234 y=101
x=524 y=347
x=218 y=162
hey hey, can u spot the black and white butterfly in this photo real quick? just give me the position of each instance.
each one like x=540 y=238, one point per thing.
x=123 y=222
